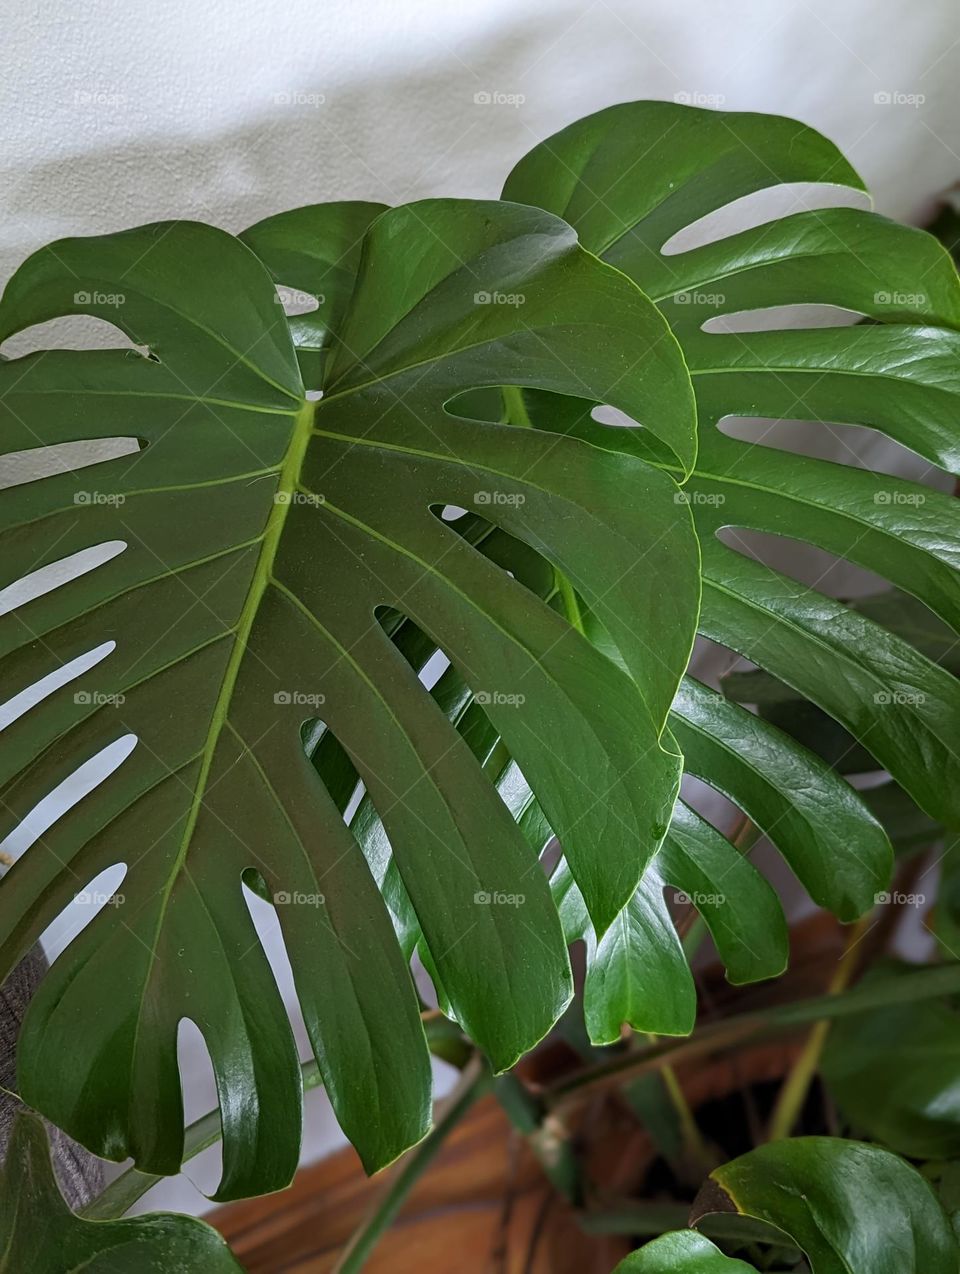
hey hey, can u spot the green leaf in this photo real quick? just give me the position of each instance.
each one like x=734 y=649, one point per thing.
x=819 y=823
x=638 y=972
x=631 y=177
x=269 y=541
x=681 y=1252
x=896 y=1076
x=39 y=1232
x=320 y=247
x=852 y=1208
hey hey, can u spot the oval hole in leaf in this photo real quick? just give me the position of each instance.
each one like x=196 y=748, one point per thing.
x=32 y=695
x=760 y=207
x=47 y=578
x=199 y=1086
x=102 y=891
x=71 y=331
x=17 y=467
x=66 y=794
x=775 y=317
x=856 y=446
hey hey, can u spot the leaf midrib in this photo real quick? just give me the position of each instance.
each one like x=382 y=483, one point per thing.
x=289 y=475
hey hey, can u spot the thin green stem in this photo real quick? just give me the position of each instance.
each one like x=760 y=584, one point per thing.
x=927 y=983
x=695 y=1147
x=474 y=1081
x=515 y=407
x=793 y=1094
x=571 y=605
x=546 y=1135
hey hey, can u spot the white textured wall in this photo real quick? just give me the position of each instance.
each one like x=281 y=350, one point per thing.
x=119 y=113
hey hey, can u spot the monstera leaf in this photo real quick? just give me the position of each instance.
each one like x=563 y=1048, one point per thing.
x=629 y=179
x=38 y=1232
x=681 y=1252
x=638 y=972
x=850 y=1207
x=271 y=541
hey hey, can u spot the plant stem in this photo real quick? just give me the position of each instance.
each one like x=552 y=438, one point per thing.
x=516 y=408
x=793 y=1094
x=570 y=604
x=546 y=1136
x=473 y=1083
x=694 y=1145
x=927 y=983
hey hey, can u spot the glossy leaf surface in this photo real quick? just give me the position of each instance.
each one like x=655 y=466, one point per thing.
x=39 y=1233
x=268 y=538
x=629 y=179
x=852 y=1208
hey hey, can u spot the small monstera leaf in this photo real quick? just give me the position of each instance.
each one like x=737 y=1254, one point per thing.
x=629 y=179
x=270 y=540
x=39 y=1233
x=851 y=1208
x=681 y=1252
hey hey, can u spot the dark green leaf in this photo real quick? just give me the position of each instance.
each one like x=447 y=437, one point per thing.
x=638 y=972
x=852 y=1208
x=39 y=1234
x=265 y=535
x=895 y=1075
x=682 y=1252
x=628 y=179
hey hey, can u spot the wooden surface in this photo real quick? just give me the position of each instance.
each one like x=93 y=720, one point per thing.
x=474 y=1211
x=483 y=1201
